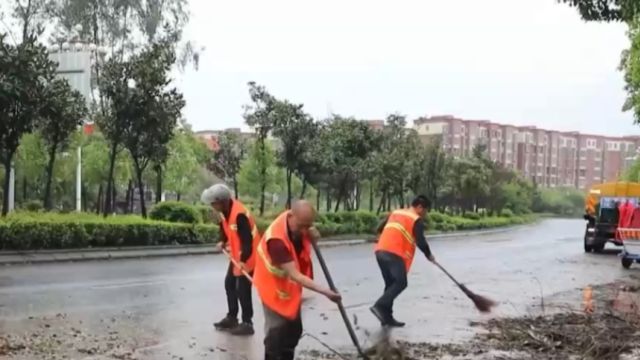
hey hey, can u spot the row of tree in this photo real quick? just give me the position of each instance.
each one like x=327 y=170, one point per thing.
x=347 y=163
x=135 y=45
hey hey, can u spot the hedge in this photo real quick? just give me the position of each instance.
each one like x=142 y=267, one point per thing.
x=33 y=231
x=175 y=211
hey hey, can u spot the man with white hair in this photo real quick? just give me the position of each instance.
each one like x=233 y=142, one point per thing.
x=239 y=234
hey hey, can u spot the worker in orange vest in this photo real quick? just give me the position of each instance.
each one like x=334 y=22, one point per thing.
x=280 y=275
x=400 y=233
x=239 y=234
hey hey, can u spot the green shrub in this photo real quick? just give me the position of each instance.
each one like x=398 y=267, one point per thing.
x=207 y=214
x=436 y=217
x=29 y=231
x=471 y=216
x=33 y=205
x=175 y=211
x=506 y=213
x=34 y=230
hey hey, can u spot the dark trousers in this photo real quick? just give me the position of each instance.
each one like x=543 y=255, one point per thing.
x=394 y=274
x=238 y=290
x=281 y=335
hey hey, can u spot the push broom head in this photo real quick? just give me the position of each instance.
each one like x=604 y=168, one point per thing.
x=482 y=303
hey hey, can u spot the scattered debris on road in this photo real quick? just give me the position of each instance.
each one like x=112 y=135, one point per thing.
x=610 y=333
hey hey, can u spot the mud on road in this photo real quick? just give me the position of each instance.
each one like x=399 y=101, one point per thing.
x=610 y=332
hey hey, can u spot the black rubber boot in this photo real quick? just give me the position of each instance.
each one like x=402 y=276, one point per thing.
x=244 y=329
x=227 y=323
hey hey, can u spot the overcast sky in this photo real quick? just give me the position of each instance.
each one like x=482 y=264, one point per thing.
x=525 y=62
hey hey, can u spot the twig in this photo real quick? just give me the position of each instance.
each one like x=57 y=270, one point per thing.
x=541 y=295
x=334 y=351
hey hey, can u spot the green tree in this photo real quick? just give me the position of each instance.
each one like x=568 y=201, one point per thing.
x=153 y=110
x=345 y=145
x=31 y=158
x=61 y=114
x=259 y=116
x=228 y=158
x=399 y=155
x=632 y=173
x=630 y=65
x=606 y=10
x=294 y=128
x=469 y=182
x=253 y=180
x=31 y=16
x=25 y=69
x=437 y=162
x=182 y=164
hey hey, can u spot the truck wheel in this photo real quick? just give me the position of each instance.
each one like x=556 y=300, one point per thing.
x=598 y=247
x=587 y=248
x=626 y=263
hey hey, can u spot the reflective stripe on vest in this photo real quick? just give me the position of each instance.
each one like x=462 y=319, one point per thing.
x=230 y=228
x=397 y=236
x=276 y=290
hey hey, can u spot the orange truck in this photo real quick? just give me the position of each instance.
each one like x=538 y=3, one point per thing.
x=601 y=212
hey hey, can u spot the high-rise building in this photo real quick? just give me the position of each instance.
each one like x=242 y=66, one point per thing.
x=547 y=157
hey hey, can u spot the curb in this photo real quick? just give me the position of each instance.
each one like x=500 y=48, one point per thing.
x=9 y=258
x=61 y=256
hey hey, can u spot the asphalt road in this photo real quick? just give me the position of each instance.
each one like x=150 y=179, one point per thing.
x=164 y=308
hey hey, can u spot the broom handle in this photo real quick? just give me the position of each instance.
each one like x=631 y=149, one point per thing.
x=447 y=273
x=343 y=312
x=244 y=272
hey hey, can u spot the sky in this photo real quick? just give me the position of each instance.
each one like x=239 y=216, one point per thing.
x=522 y=62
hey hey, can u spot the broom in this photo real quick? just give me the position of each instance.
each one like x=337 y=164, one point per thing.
x=482 y=303
x=244 y=272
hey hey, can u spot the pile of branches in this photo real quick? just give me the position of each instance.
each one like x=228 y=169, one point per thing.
x=598 y=336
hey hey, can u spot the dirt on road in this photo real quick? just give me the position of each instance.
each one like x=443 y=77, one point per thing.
x=611 y=332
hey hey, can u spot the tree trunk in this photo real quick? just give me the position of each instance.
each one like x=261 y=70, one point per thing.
x=49 y=177
x=178 y=196
x=304 y=188
x=109 y=194
x=263 y=188
x=7 y=184
x=382 y=202
x=328 y=194
x=357 y=200
x=83 y=192
x=99 y=201
x=158 y=184
x=388 y=202
x=114 y=196
x=289 y=176
x=235 y=186
x=25 y=186
x=339 y=199
x=263 y=175
x=143 y=206
x=318 y=200
x=371 y=196
x=129 y=196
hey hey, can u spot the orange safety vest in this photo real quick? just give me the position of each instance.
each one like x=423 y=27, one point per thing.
x=397 y=237
x=230 y=228
x=279 y=293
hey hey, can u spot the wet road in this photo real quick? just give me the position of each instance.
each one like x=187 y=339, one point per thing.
x=165 y=308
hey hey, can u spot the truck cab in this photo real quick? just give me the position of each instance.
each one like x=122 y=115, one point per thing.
x=602 y=215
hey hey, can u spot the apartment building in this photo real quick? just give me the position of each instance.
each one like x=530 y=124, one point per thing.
x=547 y=157
x=210 y=137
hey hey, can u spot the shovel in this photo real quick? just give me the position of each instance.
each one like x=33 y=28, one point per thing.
x=343 y=312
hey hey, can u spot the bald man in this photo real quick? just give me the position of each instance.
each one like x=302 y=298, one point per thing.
x=283 y=268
